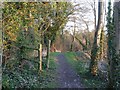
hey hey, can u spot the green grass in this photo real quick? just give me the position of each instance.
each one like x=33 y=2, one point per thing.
x=80 y=67
x=49 y=75
x=47 y=78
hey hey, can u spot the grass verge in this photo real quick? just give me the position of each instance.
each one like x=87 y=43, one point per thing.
x=50 y=74
x=82 y=68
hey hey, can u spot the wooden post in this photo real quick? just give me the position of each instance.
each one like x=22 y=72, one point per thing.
x=40 y=56
x=48 y=53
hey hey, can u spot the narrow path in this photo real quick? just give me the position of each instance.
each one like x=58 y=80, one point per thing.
x=67 y=77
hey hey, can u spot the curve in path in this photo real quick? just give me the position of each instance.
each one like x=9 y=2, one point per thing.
x=67 y=77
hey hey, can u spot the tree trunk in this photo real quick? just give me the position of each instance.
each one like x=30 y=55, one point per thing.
x=114 y=46
x=96 y=44
x=117 y=25
x=94 y=9
x=101 y=44
x=73 y=38
x=110 y=47
x=115 y=66
x=80 y=43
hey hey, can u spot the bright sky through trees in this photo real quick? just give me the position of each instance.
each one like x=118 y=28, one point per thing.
x=89 y=15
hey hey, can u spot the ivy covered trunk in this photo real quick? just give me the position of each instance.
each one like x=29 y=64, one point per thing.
x=73 y=37
x=102 y=40
x=96 y=43
x=110 y=46
x=114 y=46
x=116 y=58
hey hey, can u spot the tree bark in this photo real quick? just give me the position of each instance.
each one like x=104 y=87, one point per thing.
x=115 y=63
x=114 y=47
x=94 y=9
x=96 y=43
x=73 y=38
x=117 y=26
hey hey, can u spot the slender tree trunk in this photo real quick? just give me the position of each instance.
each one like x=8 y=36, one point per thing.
x=101 y=44
x=94 y=9
x=81 y=43
x=95 y=48
x=1 y=40
x=1 y=46
x=62 y=42
x=73 y=38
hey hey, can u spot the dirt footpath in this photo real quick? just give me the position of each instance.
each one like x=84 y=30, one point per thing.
x=67 y=77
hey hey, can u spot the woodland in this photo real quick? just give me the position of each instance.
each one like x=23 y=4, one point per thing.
x=60 y=44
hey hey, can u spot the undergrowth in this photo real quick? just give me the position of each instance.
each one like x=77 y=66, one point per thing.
x=16 y=77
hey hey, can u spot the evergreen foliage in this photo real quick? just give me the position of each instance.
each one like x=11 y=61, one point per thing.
x=113 y=57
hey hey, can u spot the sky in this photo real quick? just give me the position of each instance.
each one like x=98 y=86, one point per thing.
x=89 y=16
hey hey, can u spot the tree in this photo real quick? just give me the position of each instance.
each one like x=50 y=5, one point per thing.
x=57 y=18
x=113 y=45
x=73 y=36
x=20 y=29
x=116 y=61
x=95 y=48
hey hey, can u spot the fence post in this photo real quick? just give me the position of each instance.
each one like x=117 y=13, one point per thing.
x=48 y=53
x=40 y=56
